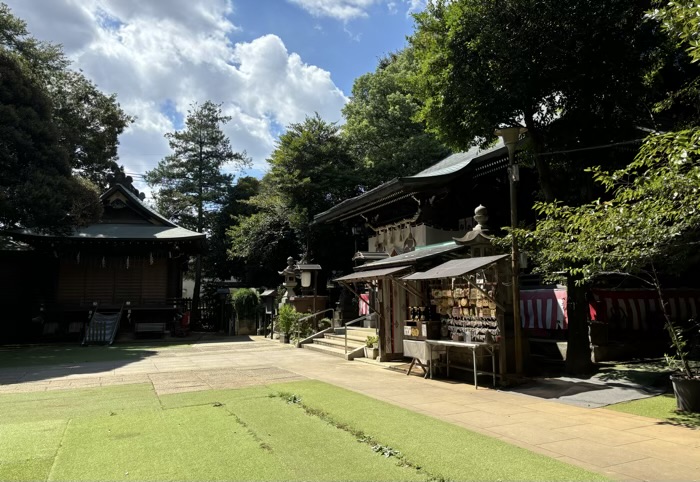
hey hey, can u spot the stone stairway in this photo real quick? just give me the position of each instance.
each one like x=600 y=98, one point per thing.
x=333 y=342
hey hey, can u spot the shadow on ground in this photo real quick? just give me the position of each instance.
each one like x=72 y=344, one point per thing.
x=612 y=383
x=39 y=362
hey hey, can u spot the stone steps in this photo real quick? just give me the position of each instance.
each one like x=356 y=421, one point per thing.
x=333 y=343
x=338 y=342
x=327 y=350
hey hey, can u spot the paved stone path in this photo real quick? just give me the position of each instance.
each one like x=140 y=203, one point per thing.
x=622 y=446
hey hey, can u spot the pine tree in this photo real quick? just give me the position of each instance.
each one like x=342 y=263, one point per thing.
x=190 y=182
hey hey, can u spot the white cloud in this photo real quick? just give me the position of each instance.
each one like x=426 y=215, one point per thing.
x=339 y=9
x=415 y=6
x=176 y=52
x=347 y=10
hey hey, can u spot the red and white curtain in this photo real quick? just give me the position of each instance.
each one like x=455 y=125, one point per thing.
x=543 y=309
x=640 y=309
x=363 y=303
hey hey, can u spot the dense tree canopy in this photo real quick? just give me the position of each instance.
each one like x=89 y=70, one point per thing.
x=218 y=264
x=310 y=171
x=650 y=221
x=311 y=167
x=55 y=125
x=574 y=72
x=88 y=122
x=381 y=130
x=37 y=189
x=268 y=236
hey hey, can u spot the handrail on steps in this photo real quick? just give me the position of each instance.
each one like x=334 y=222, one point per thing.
x=313 y=315
x=361 y=318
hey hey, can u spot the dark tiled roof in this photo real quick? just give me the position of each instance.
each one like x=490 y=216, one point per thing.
x=401 y=187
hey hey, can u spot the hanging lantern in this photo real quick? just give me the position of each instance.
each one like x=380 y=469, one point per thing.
x=127 y=262
x=150 y=258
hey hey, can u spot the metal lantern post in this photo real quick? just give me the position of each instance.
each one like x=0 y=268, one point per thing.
x=510 y=136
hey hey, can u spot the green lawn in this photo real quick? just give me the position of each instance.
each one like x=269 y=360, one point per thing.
x=290 y=431
x=662 y=407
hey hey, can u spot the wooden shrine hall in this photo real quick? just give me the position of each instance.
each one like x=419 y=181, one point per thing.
x=132 y=258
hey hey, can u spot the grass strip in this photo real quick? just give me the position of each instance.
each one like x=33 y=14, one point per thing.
x=28 y=449
x=662 y=407
x=443 y=450
x=358 y=434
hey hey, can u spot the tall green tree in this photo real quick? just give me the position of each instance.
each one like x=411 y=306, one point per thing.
x=575 y=72
x=88 y=122
x=648 y=228
x=267 y=236
x=312 y=168
x=381 y=129
x=218 y=264
x=190 y=184
x=37 y=189
x=310 y=171
x=648 y=225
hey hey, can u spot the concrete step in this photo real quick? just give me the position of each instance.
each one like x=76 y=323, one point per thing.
x=326 y=350
x=341 y=337
x=360 y=330
x=338 y=343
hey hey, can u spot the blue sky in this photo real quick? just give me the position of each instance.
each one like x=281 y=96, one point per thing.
x=347 y=49
x=269 y=62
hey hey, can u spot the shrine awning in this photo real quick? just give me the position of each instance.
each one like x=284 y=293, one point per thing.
x=455 y=268
x=372 y=274
x=420 y=254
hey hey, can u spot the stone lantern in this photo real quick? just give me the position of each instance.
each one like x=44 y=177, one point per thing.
x=290 y=278
x=479 y=238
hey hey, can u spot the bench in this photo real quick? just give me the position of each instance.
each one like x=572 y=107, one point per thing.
x=150 y=327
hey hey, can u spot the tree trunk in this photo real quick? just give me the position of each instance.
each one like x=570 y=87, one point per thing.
x=578 y=351
x=197 y=283
x=543 y=171
x=200 y=227
x=676 y=339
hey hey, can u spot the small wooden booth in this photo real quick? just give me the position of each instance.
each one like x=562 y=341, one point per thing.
x=390 y=298
x=467 y=320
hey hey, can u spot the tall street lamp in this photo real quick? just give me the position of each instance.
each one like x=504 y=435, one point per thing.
x=510 y=136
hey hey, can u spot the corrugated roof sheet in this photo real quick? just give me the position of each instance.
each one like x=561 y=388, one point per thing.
x=370 y=255
x=372 y=274
x=455 y=268
x=413 y=256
